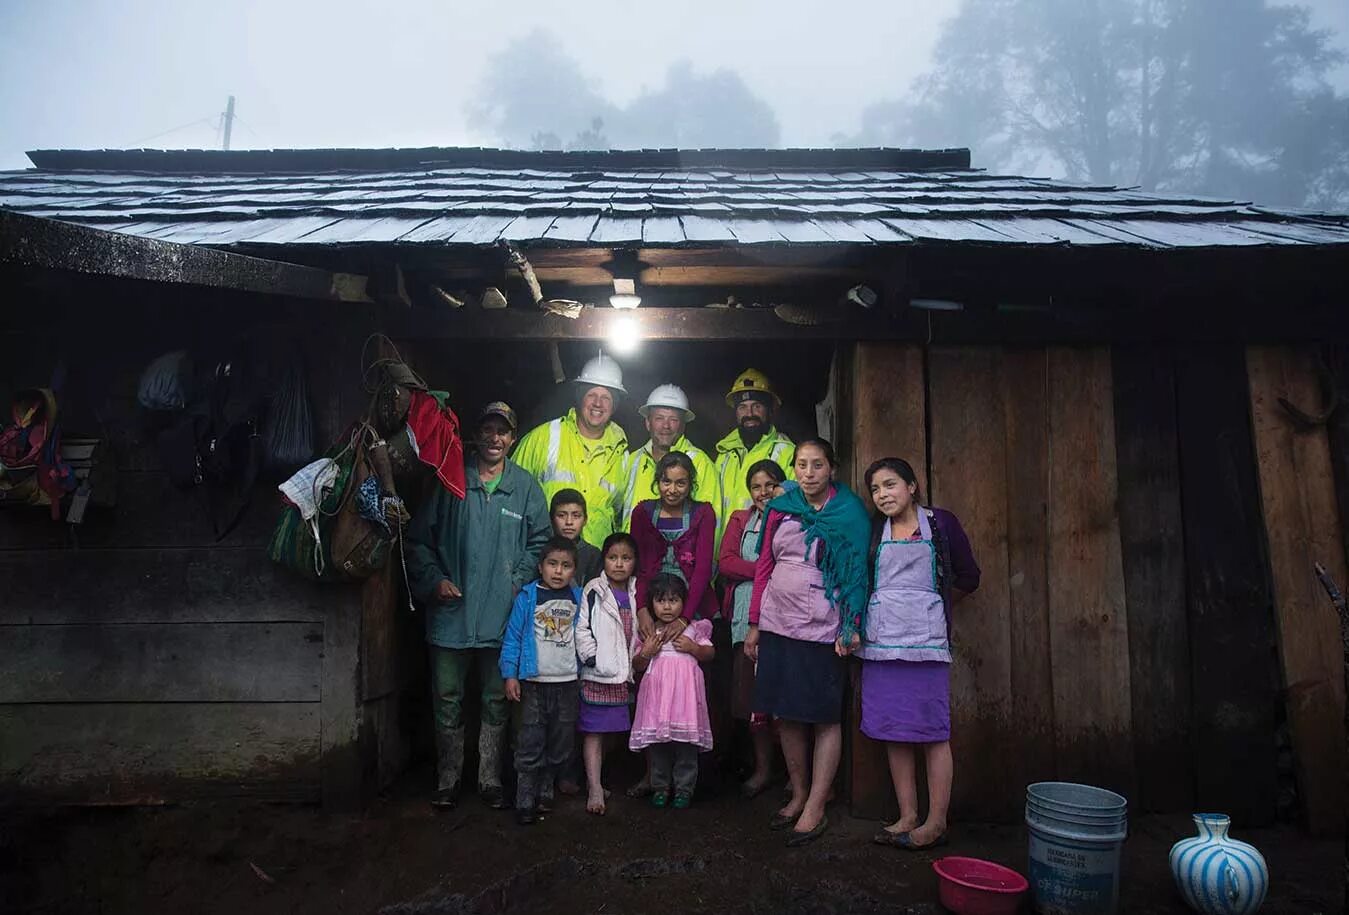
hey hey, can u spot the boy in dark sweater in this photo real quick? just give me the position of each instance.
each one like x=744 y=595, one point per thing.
x=568 y=513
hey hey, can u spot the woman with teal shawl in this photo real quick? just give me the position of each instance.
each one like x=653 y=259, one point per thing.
x=811 y=584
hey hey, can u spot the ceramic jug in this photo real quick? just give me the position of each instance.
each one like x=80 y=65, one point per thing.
x=1218 y=875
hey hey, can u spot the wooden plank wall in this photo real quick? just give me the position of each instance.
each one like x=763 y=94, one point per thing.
x=1233 y=671
x=1302 y=527
x=144 y=661
x=967 y=402
x=1123 y=632
x=1152 y=539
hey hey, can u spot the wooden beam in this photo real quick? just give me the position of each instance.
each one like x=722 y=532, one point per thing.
x=1302 y=525
x=758 y=324
x=30 y=242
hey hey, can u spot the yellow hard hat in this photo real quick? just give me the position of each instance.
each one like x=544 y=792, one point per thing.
x=751 y=381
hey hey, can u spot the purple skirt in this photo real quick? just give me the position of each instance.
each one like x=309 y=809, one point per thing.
x=602 y=719
x=906 y=701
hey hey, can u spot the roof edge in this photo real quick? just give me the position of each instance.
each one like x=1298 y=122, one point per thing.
x=209 y=161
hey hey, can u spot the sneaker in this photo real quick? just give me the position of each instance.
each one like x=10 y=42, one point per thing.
x=527 y=816
x=445 y=798
x=659 y=799
x=682 y=801
x=494 y=797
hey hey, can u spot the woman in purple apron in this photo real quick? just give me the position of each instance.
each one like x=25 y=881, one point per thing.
x=923 y=565
x=805 y=616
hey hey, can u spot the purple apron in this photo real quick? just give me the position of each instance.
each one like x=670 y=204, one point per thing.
x=906 y=619
x=794 y=602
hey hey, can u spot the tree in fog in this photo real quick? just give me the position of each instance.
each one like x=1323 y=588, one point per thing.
x=1222 y=98
x=534 y=94
x=695 y=110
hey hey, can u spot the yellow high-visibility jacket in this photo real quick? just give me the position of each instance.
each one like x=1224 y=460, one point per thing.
x=556 y=455
x=733 y=459
x=641 y=480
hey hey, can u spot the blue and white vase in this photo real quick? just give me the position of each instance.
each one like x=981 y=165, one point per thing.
x=1218 y=875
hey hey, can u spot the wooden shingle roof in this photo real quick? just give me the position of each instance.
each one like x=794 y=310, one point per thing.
x=652 y=198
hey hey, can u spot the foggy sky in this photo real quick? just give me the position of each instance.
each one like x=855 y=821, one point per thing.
x=400 y=73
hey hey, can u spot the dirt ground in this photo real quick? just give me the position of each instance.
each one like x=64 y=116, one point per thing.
x=400 y=858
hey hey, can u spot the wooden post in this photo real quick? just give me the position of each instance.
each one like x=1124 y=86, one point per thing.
x=1302 y=525
x=889 y=418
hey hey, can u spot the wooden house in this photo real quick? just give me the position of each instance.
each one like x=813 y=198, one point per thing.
x=1093 y=378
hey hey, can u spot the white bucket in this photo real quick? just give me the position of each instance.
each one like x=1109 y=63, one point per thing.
x=1075 y=836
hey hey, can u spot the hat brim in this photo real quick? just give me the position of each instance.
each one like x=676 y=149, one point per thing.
x=487 y=414
x=599 y=384
x=645 y=409
x=735 y=397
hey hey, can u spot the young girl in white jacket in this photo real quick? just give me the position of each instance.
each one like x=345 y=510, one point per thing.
x=604 y=630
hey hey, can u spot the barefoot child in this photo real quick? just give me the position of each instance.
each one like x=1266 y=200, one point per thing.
x=671 y=719
x=538 y=663
x=604 y=634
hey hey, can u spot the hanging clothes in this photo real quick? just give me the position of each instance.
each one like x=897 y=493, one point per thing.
x=434 y=431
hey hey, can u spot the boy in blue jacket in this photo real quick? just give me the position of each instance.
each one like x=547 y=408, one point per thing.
x=538 y=663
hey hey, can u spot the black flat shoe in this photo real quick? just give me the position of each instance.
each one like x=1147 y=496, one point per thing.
x=782 y=821
x=445 y=799
x=527 y=816
x=494 y=797
x=905 y=841
x=797 y=839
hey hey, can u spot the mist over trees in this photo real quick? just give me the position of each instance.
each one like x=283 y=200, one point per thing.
x=1222 y=98
x=533 y=95
x=1216 y=98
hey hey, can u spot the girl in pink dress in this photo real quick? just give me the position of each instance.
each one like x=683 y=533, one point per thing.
x=671 y=721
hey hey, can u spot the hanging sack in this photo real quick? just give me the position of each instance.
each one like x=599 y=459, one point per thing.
x=164 y=383
x=288 y=436
x=294 y=543
x=359 y=547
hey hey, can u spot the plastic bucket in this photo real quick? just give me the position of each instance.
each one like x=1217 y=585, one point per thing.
x=1075 y=836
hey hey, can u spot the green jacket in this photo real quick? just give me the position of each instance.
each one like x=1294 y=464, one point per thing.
x=641 y=481
x=558 y=457
x=488 y=545
x=733 y=459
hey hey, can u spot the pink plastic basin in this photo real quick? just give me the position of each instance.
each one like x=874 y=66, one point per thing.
x=972 y=886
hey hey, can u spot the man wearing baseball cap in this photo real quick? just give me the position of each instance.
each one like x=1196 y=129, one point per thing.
x=753 y=439
x=584 y=450
x=466 y=559
x=667 y=412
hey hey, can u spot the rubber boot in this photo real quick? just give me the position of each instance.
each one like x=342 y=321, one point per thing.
x=449 y=766
x=491 y=739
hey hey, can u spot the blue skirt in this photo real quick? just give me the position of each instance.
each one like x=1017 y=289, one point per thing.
x=798 y=680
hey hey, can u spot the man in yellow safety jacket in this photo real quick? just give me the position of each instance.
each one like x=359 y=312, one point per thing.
x=753 y=439
x=667 y=412
x=584 y=450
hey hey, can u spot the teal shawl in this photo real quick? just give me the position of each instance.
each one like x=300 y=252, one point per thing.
x=845 y=528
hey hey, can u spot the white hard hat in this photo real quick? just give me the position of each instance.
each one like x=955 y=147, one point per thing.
x=668 y=395
x=604 y=372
